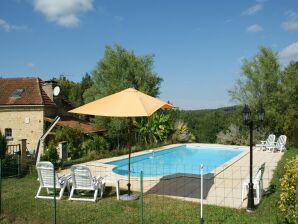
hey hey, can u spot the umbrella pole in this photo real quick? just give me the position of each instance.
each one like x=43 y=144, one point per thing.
x=129 y=151
x=129 y=196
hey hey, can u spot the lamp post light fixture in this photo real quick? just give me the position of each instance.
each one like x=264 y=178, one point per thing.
x=246 y=117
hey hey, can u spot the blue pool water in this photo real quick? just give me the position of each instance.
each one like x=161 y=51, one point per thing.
x=182 y=159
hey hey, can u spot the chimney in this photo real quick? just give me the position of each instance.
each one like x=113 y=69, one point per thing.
x=48 y=87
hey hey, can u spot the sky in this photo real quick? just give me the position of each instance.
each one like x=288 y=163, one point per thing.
x=198 y=46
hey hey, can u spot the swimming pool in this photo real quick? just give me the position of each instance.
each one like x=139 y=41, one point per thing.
x=184 y=159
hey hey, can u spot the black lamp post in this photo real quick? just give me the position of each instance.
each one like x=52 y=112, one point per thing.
x=249 y=122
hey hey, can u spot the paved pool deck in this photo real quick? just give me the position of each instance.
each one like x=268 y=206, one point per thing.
x=222 y=187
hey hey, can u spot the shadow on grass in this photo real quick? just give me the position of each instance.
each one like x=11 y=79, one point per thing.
x=272 y=189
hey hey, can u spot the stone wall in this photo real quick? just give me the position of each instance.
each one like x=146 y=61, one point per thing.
x=25 y=122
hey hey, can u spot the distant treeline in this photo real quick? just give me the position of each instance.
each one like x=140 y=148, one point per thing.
x=207 y=123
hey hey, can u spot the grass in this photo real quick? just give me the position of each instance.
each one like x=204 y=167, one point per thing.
x=19 y=206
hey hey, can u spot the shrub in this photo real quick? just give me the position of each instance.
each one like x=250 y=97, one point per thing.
x=234 y=136
x=74 y=152
x=3 y=145
x=74 y=138
x=181 y=133
x=287 y=202
x=10 y=165
x=51 y=154
x=97 y=144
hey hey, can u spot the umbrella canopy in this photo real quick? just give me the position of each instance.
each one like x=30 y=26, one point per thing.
x=127 y=103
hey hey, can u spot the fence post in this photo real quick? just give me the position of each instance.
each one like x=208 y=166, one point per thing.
x=55 y=215
x=202 y=177
x=141 y=199
x=19 y=160
x=23 y=155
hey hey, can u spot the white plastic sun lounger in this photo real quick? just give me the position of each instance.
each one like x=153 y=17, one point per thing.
x=45 y=171
x=279 y=145
x=82 y=180
x=268 y=143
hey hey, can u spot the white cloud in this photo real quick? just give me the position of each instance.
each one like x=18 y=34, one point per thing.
x=254 y=28
x=10 y=27
x=291 y=25
x=291 y=15
x=4 y=25
x=63 y=12
x=290 y=52
x=253 y=9
x=31 y=65
x=292 y=21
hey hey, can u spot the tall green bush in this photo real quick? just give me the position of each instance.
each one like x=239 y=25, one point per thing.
x=153 y=129
x=97 y=144
x=74 y=138
x=287 y=202
x=3 y=145
x=181 y=133
x=51 y=154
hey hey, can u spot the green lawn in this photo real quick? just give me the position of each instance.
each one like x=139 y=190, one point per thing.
x=20 y=206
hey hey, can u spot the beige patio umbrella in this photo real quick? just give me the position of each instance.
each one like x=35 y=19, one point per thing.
x=127 y=103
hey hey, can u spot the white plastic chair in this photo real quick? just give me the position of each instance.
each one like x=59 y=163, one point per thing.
x=83 y=180
x=279 y=145
x=268 y=143
x=46 y=177
x=257 y=184
x=108 y=180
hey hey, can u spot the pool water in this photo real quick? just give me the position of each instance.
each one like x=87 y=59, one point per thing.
x=184 y=159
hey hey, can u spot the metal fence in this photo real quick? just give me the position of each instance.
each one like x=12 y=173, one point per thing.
x=13 y=149
x=170 y=194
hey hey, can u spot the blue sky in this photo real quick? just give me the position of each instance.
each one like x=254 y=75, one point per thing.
x=198 y=45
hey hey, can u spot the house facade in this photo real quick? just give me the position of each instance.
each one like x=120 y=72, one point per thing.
x=28 y=105
x=24 y=103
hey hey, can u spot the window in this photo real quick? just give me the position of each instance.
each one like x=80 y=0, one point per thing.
x=17 y=93
x=8 y=133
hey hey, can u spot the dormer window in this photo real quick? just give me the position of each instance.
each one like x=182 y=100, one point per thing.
x=17 y=93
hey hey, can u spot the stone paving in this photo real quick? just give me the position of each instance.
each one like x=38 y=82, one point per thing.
x=222 y=188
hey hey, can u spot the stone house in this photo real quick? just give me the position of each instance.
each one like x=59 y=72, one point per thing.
x=26 y=104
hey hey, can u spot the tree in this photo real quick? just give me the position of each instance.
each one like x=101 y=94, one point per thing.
x=73 y=91
x=266 y=83
x=260 y=85
x=120 y=69
x=65 y=84
x=288 y=98
x=117 y=70
x=75 y=94
x=261 y=78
